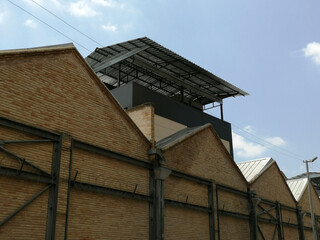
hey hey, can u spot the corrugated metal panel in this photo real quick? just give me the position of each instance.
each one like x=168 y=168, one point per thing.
x=297 y=187
x=199 y=84
x=254 y=168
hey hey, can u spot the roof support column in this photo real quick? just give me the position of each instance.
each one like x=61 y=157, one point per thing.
x=279 y=219
x=160 y=174
x=211 y=213
x=253 y=203
x=300 y=215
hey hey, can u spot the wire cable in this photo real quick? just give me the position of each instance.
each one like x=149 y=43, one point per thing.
x=287 y=152
x=65 y=22
x=49 y=26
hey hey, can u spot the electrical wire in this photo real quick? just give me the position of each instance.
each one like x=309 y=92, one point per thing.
x=49 y=26
x=269 y=146
x=65 y=22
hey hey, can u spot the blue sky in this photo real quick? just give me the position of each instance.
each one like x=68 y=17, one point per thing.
x=270 y=49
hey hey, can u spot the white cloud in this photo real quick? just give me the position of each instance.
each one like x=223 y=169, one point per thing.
x=82 y=9
x=2 y=15
x=104 y=3
x=109 y=27
x=277 y=141
x=248 y=129
x=244 y=148
x=30 y=23
x=312 y=50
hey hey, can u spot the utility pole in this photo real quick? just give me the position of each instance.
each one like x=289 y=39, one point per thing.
x=310 y=199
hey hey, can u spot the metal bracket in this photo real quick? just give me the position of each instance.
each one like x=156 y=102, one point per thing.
x=158 y=153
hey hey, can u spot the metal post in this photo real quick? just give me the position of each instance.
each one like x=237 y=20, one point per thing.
x=53 y=193
x=160 y=174
x=221 y=110
x=300 y=215
x=211 y=213
x=279 y=220
x=152 y=234
x=310 y=199
x=253 y=203
x=68 y=193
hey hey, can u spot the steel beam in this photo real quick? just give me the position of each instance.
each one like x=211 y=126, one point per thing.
x=116 y=58
x=300 y=215
x=53 y=193
x=24 y=205
x=187 y=205
x=28 y=129
x=233 y=190
x=16 y=173
x=234 y=214
x=111 y=154
x=190 y=177
x=23 y=161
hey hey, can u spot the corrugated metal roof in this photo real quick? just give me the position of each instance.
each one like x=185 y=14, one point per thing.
x=297 y=187
x=178 y=136
x=254 y=168
x=152 y=65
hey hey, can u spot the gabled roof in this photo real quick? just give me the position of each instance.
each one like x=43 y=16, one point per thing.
x=149 y=64
x=179 y=136
x=297 y=187
x=254 y=168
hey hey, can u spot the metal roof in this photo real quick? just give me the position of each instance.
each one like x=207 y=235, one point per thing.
x=154 y=66
x=178 y=136
x=254 y=168
x=297 y=187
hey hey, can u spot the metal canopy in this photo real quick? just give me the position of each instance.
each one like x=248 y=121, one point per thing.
x=151 y=65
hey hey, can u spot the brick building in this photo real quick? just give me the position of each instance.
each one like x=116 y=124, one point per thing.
x=75 y=165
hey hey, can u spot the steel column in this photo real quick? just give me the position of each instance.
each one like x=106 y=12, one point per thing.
x=279 y=221
x=211 y=213
x=300 y=215
x=53 y=194
x=253 y=203
x=68 y=192
x=152 y=234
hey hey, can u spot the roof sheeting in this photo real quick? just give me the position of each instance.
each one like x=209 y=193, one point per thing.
x=254 y=168
x=152 y=65
x=178 y=136
x=297 y=187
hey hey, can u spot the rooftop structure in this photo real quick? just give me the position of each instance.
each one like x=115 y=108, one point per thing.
x=297 y=187
x=142 y=71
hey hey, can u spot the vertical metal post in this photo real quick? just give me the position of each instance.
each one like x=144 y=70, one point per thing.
x=300 y=215
x=68 y=193
x=279 y=219
x=253 y=203
x=119 y=75
x=211 y=214
x=160 y=174
x=218 y=220
x=221 y=110
x=314 y=229
x=152 y=234
x=53 y=193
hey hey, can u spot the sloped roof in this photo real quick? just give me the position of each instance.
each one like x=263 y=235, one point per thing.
x=151 y=65
x=179 y=136
x=297 y=187
x=254 y=168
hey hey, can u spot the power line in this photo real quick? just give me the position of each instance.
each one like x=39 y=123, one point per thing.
x=67 y=23
x=49 y=26
x=268 y=144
